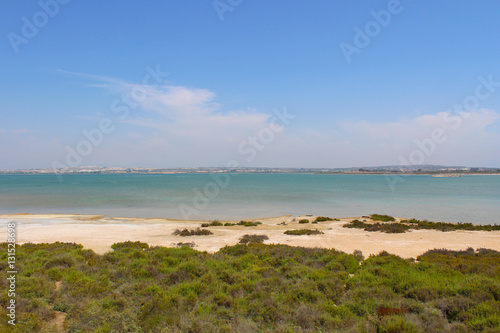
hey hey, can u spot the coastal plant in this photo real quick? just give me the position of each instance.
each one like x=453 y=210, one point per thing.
x=255 y=239
x=193 y=232
x=249 y=223
x=443 y=226
x=323 y=219
x=301 y=232
x=304 y=221
x=214 y=223
x=251 y=287
x=188 y=244
x=381 y=217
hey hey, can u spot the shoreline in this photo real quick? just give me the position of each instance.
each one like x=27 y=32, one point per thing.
x=99 y=232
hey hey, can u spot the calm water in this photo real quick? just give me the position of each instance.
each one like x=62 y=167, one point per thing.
x=236 y=196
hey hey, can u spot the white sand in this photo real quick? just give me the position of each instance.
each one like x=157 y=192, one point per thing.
x=99 y=233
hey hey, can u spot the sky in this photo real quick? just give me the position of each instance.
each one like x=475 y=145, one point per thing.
x=208 y=83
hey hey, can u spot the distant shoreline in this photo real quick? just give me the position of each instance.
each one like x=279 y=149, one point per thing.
x=393 y=173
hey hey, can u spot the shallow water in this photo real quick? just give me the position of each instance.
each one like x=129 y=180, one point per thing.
x=236 y=196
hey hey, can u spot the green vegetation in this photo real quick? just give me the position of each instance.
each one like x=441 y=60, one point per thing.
x=251 y=288
x=248 y=223
x=301 y=232
x=192 y=232
x=417 y=224
x=323 y=219
x=304 y=221
x=217 y=223
x=253 y=239
x=383 y=218
x=406 y=225
x=188 y=244
x=390 y=228
x=214 y=223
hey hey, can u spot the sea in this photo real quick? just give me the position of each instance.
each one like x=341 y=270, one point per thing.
x=470 y=198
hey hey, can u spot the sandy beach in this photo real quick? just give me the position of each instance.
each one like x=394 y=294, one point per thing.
x=100 y=232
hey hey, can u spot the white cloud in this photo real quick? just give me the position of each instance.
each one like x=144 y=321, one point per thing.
x=185 y=126
x=466 y=138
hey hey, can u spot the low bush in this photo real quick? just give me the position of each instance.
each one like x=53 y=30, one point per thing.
x=304 y=221
x=188 y=244
x=301 y=232
x=323 y=219
x=192 y=232
x=251 y=288
x=214 y=223
x=248 y=223
x=389 y=228
x=442 y=226
x=383 y=227
x=383 y=218
x=254 y=239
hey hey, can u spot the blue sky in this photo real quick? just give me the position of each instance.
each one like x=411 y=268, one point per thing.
x=392 y=102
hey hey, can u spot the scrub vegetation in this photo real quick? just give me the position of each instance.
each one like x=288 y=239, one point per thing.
x=406 y=225
x=251 y=288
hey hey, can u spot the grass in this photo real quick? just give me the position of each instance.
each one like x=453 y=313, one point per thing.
x=192 y=232
x=301 y=232
x=251 y=288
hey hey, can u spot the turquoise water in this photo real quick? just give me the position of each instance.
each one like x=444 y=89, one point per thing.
x=236 y=196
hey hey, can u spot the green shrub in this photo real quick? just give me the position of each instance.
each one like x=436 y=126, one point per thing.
x=248 y=223
x=304 y=221
x=214 y=223
x=192 y=232
x=129 y=245
x=253 y=288
x=229 y=224
x=188 y=244
x=301 y=232
x=256 y=239
x=323 y=219
x=442 y=226
x=383 y=218
x=383 y=227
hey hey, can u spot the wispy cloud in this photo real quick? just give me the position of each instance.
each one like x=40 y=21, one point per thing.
x=185 y=126
x=184 y=112
x=468 y=137
x=18 y=131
